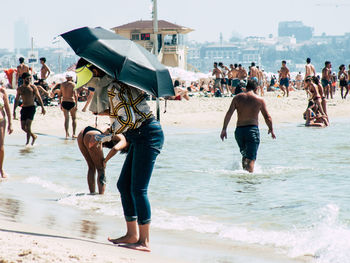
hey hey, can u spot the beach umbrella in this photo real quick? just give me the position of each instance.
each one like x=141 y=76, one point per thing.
x=122 y=59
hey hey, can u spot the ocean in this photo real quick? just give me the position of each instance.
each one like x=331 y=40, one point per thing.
x=296 y=203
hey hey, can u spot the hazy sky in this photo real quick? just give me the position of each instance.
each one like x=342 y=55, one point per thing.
x=47 y=19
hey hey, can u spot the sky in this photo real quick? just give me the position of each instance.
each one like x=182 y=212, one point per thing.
x=47 y=19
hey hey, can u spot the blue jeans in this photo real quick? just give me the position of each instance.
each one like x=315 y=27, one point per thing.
x=145 y=144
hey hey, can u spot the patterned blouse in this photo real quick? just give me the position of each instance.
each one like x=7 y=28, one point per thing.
x=128 y=107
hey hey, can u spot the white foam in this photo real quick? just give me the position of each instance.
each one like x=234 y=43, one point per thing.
x=48 y=185
x=326 y=239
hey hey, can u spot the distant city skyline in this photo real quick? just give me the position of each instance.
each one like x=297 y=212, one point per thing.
x=254 y=18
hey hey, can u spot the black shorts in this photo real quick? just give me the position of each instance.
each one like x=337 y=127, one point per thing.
x=248 y=140
x=68 y=105
x=27 y=113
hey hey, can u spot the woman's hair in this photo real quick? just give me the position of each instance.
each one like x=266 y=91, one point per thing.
x=341 y=66
x=176 y=83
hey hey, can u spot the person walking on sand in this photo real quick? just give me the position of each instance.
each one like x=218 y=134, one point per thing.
x=284 y=78
x=326 y=79
x=68 y=100
x=248 y=106
x=21 y=68
x=4 y=110
x=217 y=81
x=27 y=92
x=343 y=81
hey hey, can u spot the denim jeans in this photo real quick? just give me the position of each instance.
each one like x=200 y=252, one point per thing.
x=145 y=144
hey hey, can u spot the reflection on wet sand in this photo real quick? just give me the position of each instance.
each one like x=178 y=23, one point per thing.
x=10 y=208
x=26 y=150
x=50 y=221
x=88 y=229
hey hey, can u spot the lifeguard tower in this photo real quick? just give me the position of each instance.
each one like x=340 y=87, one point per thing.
x=171 y=49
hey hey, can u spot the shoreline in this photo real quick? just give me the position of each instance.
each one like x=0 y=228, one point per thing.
x=198 y=112
x=28 y=243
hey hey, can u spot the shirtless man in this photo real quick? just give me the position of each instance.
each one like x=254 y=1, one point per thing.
x=326 y=78
x=298 y=80
x=234 y=78
x=217 y=74
x=242 y=73
x=68 y=100
x=254 y=73
x=260 y=81
x=28 y=92
x=248 y=106
x=284 y=77
x=21 y=68
x=224 y=72
x=44 y=71
x=309 y=69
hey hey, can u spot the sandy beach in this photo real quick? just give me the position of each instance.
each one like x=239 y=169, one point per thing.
x=198 y=112
x=23 y=243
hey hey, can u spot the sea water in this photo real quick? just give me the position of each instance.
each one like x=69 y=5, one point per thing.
x=297 y=201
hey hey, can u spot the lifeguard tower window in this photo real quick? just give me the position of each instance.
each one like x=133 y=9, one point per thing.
x=146 y=36
x=135 y=36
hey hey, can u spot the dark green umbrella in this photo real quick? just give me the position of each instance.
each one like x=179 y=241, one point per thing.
x=122 y=59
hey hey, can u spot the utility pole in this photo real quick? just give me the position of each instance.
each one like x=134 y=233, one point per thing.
x=155 y=45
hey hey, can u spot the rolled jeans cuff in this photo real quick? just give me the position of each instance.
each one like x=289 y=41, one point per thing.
x=144 y=222
x=130 y=218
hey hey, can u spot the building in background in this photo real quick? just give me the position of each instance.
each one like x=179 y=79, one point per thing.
x=171 y=49
x=295 y=29
x=21 y=35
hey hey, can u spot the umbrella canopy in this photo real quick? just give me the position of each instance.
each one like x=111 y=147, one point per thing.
x=122 y=59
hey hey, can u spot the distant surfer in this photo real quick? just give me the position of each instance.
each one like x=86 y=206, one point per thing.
x=248 y=106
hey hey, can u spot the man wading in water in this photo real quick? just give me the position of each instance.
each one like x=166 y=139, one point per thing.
x=248 y=106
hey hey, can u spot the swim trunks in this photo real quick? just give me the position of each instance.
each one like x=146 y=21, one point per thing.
x=224 y=80
x=89 y=128
x=235 y=82
x=27 y=113
x=284 y=82
x=325 y=82
x=343 y=83
x=217 y=83
x=248 y=140
x=255 y=79
x=68 y=105
x=20 y=81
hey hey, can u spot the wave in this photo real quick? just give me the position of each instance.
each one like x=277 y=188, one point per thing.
x=327 y=240
x=48 y=185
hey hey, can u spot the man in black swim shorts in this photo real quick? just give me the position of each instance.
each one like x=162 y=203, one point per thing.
x=27 y=92
x=248 y=106
x=69 y=101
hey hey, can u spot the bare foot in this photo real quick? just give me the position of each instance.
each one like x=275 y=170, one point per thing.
x=3 y=174
x=34 y=138
x=137 y=246
x=74 y=136
x=124 y=239
x=67 y=135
